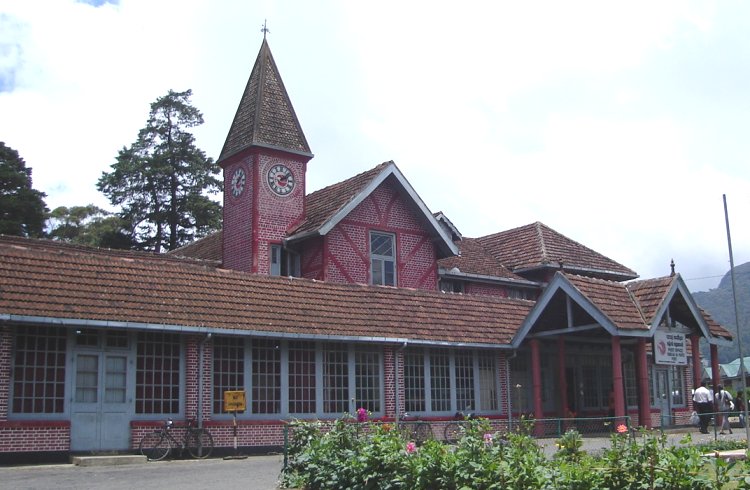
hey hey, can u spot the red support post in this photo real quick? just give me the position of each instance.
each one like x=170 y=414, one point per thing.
x=536 y=381
x=715 y=373
x=617 y=385
x=644 y=400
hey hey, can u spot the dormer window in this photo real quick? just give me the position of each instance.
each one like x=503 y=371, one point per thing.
x=284 y=262
x=382 y=259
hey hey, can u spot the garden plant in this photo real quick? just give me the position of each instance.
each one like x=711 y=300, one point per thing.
x=346 y=454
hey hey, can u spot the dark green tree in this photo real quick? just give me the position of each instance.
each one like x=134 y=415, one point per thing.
x=22 y=208
x=89 y=225
x=163 y=182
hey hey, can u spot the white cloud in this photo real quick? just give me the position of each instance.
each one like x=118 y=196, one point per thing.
x=619 y=125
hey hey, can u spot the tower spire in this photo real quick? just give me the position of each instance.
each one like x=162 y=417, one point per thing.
x=265 y=116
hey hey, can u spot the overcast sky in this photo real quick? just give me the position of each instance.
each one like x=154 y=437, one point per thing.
x=618 y=124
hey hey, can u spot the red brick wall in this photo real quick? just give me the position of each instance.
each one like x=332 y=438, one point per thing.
x=259 y=216
x=347 y=246
x=482 y=289
x=238 y=211
x=26 y=436
x=6 y=344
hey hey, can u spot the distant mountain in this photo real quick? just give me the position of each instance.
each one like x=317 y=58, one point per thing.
x=718 y=303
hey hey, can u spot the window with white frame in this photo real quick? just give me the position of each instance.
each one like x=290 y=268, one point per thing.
x=229 y=368
x=488 y=382
x=414 y=382
x=677 y=375
x=335 y=379
x=284 y=262
x=440 y=381
x=631 y=386
x=367 y=379
x=382 y=259
x=301 y=377
x=445 y=381
x=157 y=374
x=266 y=377
x=465 y=382
x=39 y=371
x=298 y=378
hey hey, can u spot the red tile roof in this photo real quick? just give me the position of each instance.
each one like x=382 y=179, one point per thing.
x=475 y=259
x=207 y=248
x=613 y=299
x=105 y=286
x=323 y=204
x=537 y=246
x=633 y=306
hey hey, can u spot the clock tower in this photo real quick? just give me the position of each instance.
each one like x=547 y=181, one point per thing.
x=264 y=160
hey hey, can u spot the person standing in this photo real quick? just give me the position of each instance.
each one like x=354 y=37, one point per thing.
x=739 y=405
x=726 y=404
x=703 y=405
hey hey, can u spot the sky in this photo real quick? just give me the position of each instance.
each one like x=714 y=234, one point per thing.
x=619 y=124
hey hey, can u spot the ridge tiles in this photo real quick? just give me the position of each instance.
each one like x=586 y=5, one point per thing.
x=537 y=245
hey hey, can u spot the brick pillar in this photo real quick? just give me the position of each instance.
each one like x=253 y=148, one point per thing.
x=617 y=377
x=389 y=357
x=536 y=382
x=6 y=341
x=191 y=377
x=644 y=400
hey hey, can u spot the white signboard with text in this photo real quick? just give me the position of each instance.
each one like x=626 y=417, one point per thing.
x=669 y=348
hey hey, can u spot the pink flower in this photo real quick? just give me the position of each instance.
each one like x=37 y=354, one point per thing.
x=622 y=428
x=410 y=447
x=488 y=439
x=362 y=415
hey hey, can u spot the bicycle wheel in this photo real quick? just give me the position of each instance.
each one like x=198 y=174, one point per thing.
x=200 y=443
x=155 y=446
x=453 y=432
x=422 y=432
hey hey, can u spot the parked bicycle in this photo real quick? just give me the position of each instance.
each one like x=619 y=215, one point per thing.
x=414 y=429
x=454 y=430
x=158 y=444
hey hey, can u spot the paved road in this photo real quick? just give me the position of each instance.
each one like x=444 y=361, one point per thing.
x=253 y=473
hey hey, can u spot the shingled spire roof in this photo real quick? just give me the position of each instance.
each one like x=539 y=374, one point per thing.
x=265 y=116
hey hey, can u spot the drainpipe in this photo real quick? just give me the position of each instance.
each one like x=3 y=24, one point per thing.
x=396 y=377
x=200 y=379
x=509 y=395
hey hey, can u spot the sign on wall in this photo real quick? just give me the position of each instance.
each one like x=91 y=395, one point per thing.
x=234 y=401
x=669 y=348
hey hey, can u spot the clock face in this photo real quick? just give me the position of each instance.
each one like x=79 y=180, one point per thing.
x=281 y=180
x=238 y=182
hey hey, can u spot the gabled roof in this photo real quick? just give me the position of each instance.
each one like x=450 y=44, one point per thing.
x=634 y=309
x=537 y=246
x=325 y=208
x=732 y=369
x=61 y=286
x=207 y=248
x=473 y=260
x=265 y=116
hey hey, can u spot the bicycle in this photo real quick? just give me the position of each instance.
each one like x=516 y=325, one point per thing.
x=158 y=444
x=414 y=429
x=455 y=430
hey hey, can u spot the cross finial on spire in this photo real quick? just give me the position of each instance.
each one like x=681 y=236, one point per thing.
x=264 y=30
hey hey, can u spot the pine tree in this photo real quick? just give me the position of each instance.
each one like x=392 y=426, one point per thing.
x=163 y=182
x=22 y=208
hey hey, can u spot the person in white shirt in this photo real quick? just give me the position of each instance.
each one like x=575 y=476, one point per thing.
x=726 y=404
x=703 y=405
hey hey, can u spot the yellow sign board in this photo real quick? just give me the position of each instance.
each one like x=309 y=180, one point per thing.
x=234 y=401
